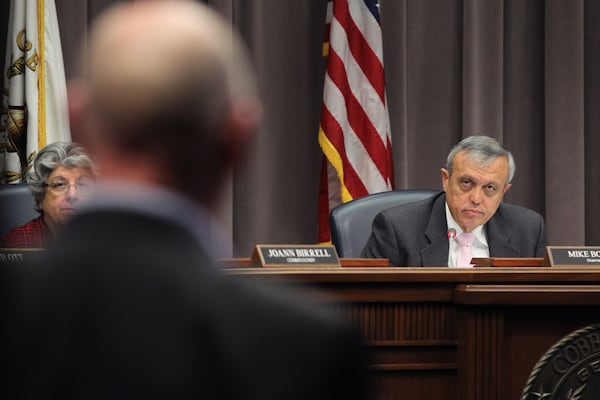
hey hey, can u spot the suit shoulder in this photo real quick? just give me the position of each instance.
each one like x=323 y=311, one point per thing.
x=412 y=207
x=515 y=210
x=518 y=214
x=410 y=212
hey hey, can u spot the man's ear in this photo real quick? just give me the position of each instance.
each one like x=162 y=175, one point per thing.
x=244 y=119
x=445 y=178
x=77 y=106
x=506 y=188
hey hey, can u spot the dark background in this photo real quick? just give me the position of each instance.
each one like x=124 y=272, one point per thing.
x=523 y=71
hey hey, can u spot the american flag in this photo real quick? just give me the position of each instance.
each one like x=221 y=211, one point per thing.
x=354 y=133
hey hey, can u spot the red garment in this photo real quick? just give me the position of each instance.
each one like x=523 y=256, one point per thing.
x=33 y=234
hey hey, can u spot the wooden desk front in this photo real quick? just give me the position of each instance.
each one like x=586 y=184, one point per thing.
x=440 y=333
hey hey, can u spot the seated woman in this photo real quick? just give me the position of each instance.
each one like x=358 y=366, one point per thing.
x=61 y=175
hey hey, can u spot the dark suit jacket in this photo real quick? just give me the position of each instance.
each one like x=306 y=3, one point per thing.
x=129 y=306
x=416 y=234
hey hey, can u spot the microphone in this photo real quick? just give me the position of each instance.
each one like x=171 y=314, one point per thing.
x=451 y=233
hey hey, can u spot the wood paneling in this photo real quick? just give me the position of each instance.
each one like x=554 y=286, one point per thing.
x=439 y=333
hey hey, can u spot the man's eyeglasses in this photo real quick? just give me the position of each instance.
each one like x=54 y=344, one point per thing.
x=60 y=187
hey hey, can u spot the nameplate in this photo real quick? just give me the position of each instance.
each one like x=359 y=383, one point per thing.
x=573 y=256
x=295 y=255
x=508 y=262
x=17 y=255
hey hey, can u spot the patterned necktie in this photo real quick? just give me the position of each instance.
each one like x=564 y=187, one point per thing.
x=465 y=253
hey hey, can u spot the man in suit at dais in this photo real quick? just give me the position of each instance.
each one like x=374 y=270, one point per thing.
x=478 y=173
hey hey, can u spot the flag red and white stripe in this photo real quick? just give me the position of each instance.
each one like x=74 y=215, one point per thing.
x=354 y=133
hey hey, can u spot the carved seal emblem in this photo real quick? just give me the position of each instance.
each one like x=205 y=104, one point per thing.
x=569 y=370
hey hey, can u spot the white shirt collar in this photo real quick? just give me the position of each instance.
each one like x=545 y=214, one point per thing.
x=480 y=246
x=478 y=232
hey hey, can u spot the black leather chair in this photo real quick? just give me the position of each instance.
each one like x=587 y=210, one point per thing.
x=350 y=223
x=16 y=206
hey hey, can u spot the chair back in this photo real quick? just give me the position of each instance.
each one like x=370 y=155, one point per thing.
x=16 y=206
x=350 y=223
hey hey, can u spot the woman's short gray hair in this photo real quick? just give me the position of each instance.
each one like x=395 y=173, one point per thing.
x=483 y=149
x=52 y=156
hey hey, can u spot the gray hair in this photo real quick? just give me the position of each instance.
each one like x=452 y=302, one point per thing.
x=52 y=156
x=484 y=150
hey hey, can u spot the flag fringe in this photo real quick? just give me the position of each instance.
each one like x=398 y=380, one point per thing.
x=334 y=158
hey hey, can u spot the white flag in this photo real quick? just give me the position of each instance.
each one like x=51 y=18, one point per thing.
x=34 y=103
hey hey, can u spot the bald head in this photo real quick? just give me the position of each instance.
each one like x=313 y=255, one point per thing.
x=168 y=82
x=142 y=55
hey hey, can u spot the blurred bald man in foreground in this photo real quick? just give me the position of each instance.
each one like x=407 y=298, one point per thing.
x=128 y=302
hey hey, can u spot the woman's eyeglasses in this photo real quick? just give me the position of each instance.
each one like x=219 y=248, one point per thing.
x=62 y=187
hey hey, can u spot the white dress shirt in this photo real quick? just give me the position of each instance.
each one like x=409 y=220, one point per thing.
x=479 y=247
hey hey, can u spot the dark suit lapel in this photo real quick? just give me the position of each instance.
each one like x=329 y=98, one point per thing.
x=436 y=253
x=499 y=236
